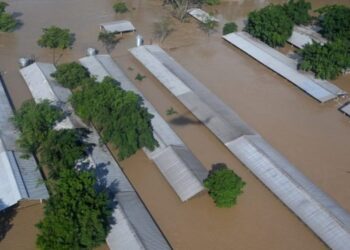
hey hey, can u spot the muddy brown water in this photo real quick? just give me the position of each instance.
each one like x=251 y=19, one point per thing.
x=315 y=137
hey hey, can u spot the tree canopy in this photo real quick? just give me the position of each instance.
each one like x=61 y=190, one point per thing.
x=35 y=121
x=56 y=38
x=120 y=7
x=118 y=114
x=229 y=28
x=76 y=215
x=326 y=61
x=335 y=22
x=7 y=21
x=223 y=185
x=298 y=11
x=270 y=24
x=71 y=75
x=108 y=40
x=62 y=149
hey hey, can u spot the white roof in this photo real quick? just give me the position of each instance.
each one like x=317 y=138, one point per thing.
x=19 y=177
x=10 y=186
x=118 y=26
x=175 y=161
x=201 y=15
x=283 y=67
x=303 y=35
x=315 y=208
x=346 y=108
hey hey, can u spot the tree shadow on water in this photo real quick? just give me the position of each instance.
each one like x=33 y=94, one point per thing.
x=6 y=217
x=183 y=120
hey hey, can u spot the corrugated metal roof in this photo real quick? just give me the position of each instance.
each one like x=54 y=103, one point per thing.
x=124 y=232
x=303 y=35
x=185 y=173
x=345 y=108
x=320 y=90
x=20 y=178
x=315 y=208
x=118 y=26
x=201 y=15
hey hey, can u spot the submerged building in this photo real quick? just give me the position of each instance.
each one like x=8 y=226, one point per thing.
x=20 y=178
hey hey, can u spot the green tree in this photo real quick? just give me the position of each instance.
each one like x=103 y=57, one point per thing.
x=62 y=149
x=223 y=185
x=270 y=24
x=335 y=22
x=119 y=115
x=298 y=11
x=120 y=7
x=108 y=40
x=229 y=28
x=71 y=75
x=56 y=38
x=327 y=61
x=3 y=6
x=35 y=121
x=76 y=215
x=212 y=2
x=7 y=21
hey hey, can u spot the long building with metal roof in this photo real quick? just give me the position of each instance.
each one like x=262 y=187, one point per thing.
x=20 y=179
x=133 y=226
x=321 y=213
x=179 y=166
x=321 y=90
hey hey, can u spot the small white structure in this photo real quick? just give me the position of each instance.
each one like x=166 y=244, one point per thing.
x=345 y=108
x=201 y=15
x=303 y=35
x=120 y=26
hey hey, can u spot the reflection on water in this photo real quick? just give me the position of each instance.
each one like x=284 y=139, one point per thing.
x=314 y=137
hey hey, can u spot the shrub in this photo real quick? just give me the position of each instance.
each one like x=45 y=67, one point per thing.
x=326 y=61
x=7 y=21
x=271 y=25
x=71 y=75
x=108 y=40
x=229 y=28
x=35 y=121
x=76 y=215
x=223 y=185
x=335 y=22
x=212 y=2
x=209 y=25
x=298 y=11
x=120 y=7
x=118 y=114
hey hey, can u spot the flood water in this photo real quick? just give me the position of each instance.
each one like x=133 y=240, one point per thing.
x=314 y=137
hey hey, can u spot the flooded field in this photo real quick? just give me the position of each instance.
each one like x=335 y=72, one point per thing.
x=314 y=137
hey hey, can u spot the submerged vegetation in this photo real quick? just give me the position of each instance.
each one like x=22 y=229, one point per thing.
x=298 y=11
x=327 y=61
x=223 y=185
x=120 y=7
x=7 y=21
x=71 y=75
x=335 y=22
x=108 y=40
x=35 y=122
x=117 y=114
x=229 y=28
x=76 y=214
x=271 y=25
x=56 y=38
